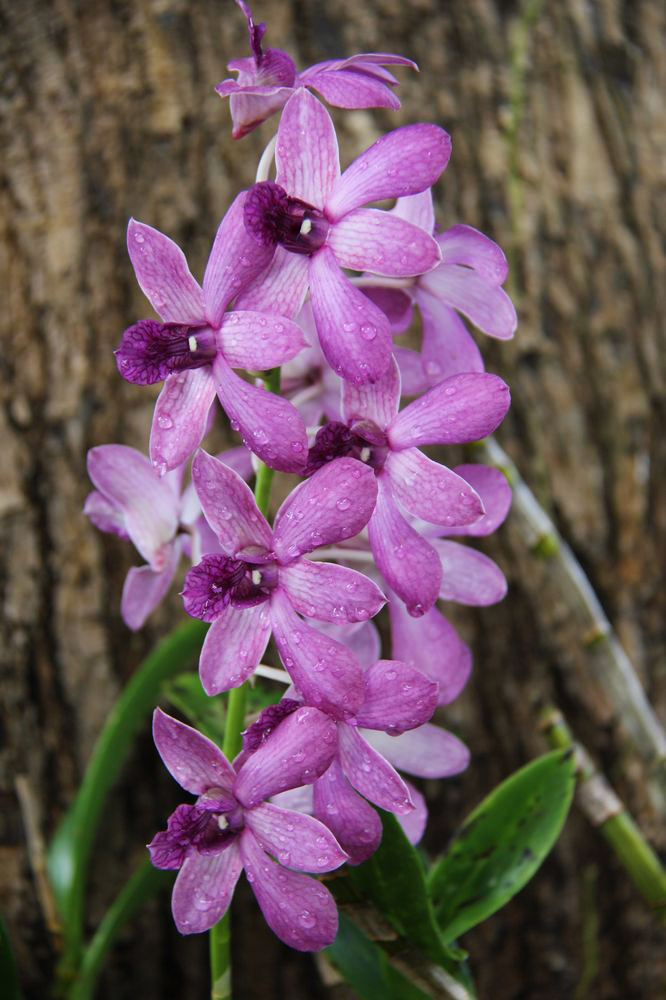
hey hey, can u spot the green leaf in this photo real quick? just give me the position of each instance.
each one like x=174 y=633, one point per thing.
x=366 y=967
x=11 y=989
x=142 y=885
x=502 y=843
x=207 y=714
x=70 y=849
x=394 y=880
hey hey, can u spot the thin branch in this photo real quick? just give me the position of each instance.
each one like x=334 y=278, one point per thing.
x=37 y=854
x=603 y=808
x=604 y=657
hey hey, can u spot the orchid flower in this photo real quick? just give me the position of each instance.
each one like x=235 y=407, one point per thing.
x=231 y=828
x=312 y=218
x=461 y=409
x=133 y=502
x=260 y=581
x=196 y=346
x=469 y=281
x=267 y=79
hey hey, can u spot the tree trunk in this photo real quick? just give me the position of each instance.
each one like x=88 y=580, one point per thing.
x=557 y=117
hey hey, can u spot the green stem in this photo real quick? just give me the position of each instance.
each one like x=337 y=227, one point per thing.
x=71 y=847
x=142 y=885
x=220 y=934
x=602 y=807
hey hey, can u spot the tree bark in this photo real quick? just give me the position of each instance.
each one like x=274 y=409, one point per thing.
x=557 y=116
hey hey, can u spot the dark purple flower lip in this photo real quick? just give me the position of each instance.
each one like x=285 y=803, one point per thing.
x=207 y=827
x=272 y=217
x=259 y=731
x=219 y=581
x=149 y=351
x=363 y=441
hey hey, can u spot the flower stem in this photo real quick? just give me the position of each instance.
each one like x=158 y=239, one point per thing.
x=220 y=934
x=604 y=810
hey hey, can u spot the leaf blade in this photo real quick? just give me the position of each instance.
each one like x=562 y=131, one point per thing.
x=502 y=843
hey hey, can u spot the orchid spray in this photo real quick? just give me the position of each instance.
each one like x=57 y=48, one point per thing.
x=304 y=274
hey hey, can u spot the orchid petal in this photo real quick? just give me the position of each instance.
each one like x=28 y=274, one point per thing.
x=298 y=909
x=355 y=335
x=354 y=823
x=397 y=697
x=405 y=161
x=407 y=561
x=257 y=342
x=325 y=672
x=431 y=644
x=180 y=418
x=105 y=515
x=368 y=239
x=235 y=260
x=144 y=588
x=448 y=347
x=306 y=155
x=428 y=752
x=297 y=799
x=298 y=750
x=377 y=401
x=370 y=774
x=229 y=506
x=270 y=426
x=362 y=638
x=333 y=504
x=395 y=303
x=465 y=245
x=495 y=493
x=163 y=274
x=204 y=888
x=370 y=62
x=430 y=490
x=249 y=111
x=234 y=645
x=462 y=408
x=296 y=840
x=417 y=209
x=487 y=306
x=281 y=289
x=192 y=759
x=330 y=593
x=352 y=90
x=414 y=823
x=126 y=479
x=412 y=375
x=468 y=577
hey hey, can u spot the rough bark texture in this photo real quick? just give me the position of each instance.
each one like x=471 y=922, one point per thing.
x=559 y=130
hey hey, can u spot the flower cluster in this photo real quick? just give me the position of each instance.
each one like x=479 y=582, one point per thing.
x=303 y=274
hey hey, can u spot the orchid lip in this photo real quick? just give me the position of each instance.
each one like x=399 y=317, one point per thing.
x=219 y=581
x=150 y=351
x=271 y=216
x=364 y=440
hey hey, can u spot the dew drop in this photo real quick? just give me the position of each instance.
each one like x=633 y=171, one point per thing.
x=344 y=503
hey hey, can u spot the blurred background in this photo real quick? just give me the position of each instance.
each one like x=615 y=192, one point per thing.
x=558 y=120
